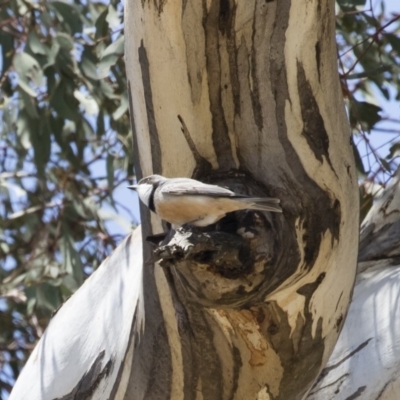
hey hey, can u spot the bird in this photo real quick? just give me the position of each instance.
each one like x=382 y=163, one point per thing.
x=188 y=202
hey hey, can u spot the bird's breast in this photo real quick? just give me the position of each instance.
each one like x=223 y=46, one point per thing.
x=195 y=210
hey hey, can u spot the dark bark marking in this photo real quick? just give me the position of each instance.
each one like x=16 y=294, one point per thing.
x=206 y=364
x=318 y=57
x=237 y=365
x=339 y=380
x=313 y=124
x=308 y=289
x=299 y=357
x=151 y=370
x=158 y=4
x=90 y=380
x=339 y=322
x=303 y=197
x=156 y=154
x=233 y=64
x=302 y=355
x=255 y=92
x=186 y=335
x=138 y=168
x=203 y=166
x=379 y=244
x=144 y=211
x=184 y=4
x=213 y=22
x=385 y=386
x=327 y=370
x=338 y=302
x=123 y=362
x=224 y=16
x=357 y=393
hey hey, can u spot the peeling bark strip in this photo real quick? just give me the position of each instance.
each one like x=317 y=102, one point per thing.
x=215 y=19
x=314 y=128
x=90 y=381
x=148 y=97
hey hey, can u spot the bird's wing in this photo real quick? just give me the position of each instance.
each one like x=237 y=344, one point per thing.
x=190 y=187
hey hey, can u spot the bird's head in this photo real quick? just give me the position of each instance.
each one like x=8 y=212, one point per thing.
x=146 y=186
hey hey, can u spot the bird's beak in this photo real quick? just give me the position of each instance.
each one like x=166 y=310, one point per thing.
x=133 y=187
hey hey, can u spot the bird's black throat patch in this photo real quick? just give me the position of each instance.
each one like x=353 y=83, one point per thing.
x=151 y=198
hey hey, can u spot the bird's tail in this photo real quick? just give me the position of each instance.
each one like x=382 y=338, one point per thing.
x=262 y=203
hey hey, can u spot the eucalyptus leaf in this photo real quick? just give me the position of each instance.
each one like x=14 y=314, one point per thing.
x=114 y=49
x=113 y=17
x=65 y=41
x=36 y=45
x=7 y=50
x=365 y=114
x=71 y=259
x=394 y=151
x=89 y=104
x=28 y=103
x=28 y=68
x=26 y=88
x=123 y=107
x=69 y=14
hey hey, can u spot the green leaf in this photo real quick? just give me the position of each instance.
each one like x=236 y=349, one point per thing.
x=29 y=104
x=52 y=55
x=110 y=56
x=348 y=5
x=23 y=129
x=47 y=296
x=65 y=41
x=71 y=259
x=69 y=14
x=366 y=201
x=123 y=107
x=70 y=284
x=24 y=86
x=41 y=143
x=115 y=48
x=64 y=102
x=7 y=50
x=113 y=17
x=102 y=25
x=364 y=114
x=89 y=103
x=27 y=68
x=358 y=160
x=36 y=45
x=394 y=42
x=88 y=68
x=394 y=151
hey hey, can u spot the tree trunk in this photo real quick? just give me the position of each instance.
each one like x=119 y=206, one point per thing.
x=244 y=94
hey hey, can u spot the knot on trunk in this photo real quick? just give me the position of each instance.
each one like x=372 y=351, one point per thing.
x=228 y=265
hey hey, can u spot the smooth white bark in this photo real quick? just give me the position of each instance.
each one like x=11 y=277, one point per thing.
x=92 y=327
x=366 y=361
